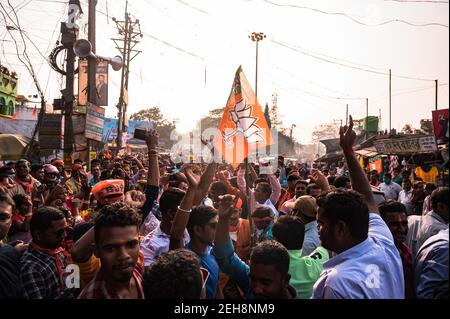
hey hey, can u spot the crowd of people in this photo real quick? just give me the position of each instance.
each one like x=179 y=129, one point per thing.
x=140 y=226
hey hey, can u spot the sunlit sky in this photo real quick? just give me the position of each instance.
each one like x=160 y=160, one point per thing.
x=212 y=39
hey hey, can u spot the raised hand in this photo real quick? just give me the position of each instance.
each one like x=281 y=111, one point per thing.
x=319 y=179
x=193 y=179
x=227 y=205
x=347 y=135
x=135 y=198
x=206 y=143
x=152 y=139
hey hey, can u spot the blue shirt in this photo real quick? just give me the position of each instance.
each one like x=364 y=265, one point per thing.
x=312 y=239
x=236 y=269
x=370 y=270
x=431 y=265
x=209 y=262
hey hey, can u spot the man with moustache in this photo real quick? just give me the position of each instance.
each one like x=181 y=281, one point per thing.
x=116 y=232
x=395 y=216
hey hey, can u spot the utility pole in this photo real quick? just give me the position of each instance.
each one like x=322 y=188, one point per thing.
x=69 y=33
x=346 y=115
x=436 y=95
x=130 y=32
x=92 y=66
x=390 y=101
x=367 y=114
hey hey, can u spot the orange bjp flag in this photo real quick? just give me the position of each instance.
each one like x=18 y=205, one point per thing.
x=243 y=127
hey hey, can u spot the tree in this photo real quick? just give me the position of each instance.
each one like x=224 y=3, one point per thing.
x=325 y=131
x=275 y=117
x=162 y=125
x=426 y=126
x=152 y=114
x=407 y=129
x=267 y=115
x=213 y=119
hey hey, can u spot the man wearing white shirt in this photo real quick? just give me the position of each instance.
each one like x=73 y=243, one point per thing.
x=390 y=189
x=405 y=197
x=367 y=264
x=264 y=193
x=429 y=188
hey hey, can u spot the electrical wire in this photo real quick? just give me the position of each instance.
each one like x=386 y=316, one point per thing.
x=328 y=60
x=345 y=15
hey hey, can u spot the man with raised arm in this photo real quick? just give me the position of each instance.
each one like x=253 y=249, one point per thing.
x=367 y=264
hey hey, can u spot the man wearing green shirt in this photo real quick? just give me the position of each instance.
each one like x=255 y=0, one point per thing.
x=304 y=271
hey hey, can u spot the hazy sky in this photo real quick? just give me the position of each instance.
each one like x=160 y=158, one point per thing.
x=214 y=36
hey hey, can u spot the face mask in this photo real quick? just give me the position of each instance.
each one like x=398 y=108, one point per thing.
x=387 y=180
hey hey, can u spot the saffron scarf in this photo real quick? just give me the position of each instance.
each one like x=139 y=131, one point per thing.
x=27 y=186
x=61 y=257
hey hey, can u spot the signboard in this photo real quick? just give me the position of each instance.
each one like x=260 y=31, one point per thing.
x=428 y=144
x=51 y=124
x=94 y=122
x=110 y=129
x=410 y=144
x=101 y=83
x=79 y=126
x=50 y=132
x=440 y=126
x=82 y=82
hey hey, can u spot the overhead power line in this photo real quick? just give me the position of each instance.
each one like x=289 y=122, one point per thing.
x=345 y=15
x=347 y=65
x=418 y=1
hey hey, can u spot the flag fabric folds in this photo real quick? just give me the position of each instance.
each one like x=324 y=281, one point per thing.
x=243 y=127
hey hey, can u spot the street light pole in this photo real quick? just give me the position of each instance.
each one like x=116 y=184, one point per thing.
x=256 y=37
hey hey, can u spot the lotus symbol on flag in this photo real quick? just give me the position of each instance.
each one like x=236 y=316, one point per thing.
x=245 y=124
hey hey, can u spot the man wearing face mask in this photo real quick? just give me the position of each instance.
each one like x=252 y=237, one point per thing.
x=406 y=195
x=390 y=189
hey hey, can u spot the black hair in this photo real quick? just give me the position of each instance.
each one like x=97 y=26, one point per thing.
x=95 y=161
x=175 y=275
x=200 y=216
x=265 y=187
x=350 y=207
x=430 y=186
x=289 y=231
x=20 y=199
x=105 y=175
x=270 y=252
x=391 y=206
x=78 y=161
x=219 y=188
x=233 y=182
x=36 y=167
x=311 y=187
x=42 y=219
x=260 y=180
x=293 y=177
x=439 y=195
x=262 y=211
x=80 y=229
x=388 y=175
x=341 y=181
x=170 y=200
x=301 y=181
x=331 y=180
x=117 y=172
x=4 y=171
x=21 y=161
x=115 y=215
